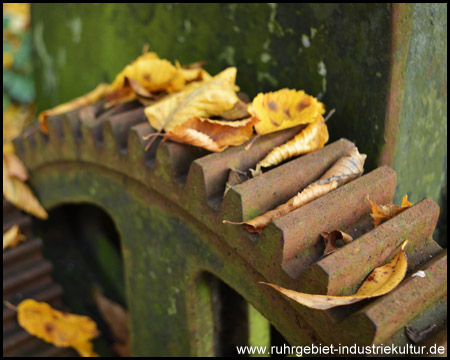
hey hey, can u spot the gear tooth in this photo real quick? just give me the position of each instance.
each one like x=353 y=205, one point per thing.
x=55 y=130
x=214 y=168
x=117 y=126
x=71 y=128
x=416 y=299
x=272 y=188
x=379 y=243
x=175 y=159
x=136 y=144
x=19 y=147
x=92 y=132
x=334 y=211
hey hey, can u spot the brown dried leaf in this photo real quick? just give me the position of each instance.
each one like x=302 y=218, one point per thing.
x=12 y=237
x=212 y=135
x=311 y=138
x=345 y=169
x=334 y=240
x=380 y=281
x=117 y=319
x=416 y=335
x=15 y=167
x=20 y=195
x=386 y=212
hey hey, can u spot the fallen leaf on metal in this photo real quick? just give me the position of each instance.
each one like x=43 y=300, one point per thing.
x=381 y=213
x=311 y=138
x=345 y=169
x=380 y=281
x=334 y=240
x=16 y=191
x=56 y=327
x=12 y=237
x=117 y=319
x=283 y=109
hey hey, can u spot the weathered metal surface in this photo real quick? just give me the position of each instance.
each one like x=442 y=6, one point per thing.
x=26 y=275
x=382 y=66
x=168 y=207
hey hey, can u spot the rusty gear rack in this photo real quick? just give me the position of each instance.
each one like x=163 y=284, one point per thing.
x=168 y=206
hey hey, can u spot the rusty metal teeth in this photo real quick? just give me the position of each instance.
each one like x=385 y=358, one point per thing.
x=25 y=275
x=338 y=209
x=137 y=145
x=116 y=127
x=359 y=257
x=265 y=192
x=177 y=158
x=413 y=296
x=211 y=172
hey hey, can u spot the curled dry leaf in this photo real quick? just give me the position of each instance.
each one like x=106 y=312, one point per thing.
x=334 y=240
x=117 y=319
x=15 y=167
x=143 y=79
x=17 y=192
x=212 y=135
x=283 y=109
x=91 y=97
x=380 y=281
x=386 y=212
x=416 y=335
x=56 y=327
x=345 y=169
x=311 y=138
x=12 y=237
x=184 y=115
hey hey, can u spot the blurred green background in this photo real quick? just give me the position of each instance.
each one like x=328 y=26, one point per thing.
x=18 y=85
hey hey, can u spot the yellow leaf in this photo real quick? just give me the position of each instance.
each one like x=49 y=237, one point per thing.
x=15 y=118
x=345 y=169
x=283 y=109
x=56 y=327
x=380 y=281
x=386 y=212
x=91 y=97
x=153 y=73
x=12 y=237
x=198 y=99
x=20 y=195
x=311 y=138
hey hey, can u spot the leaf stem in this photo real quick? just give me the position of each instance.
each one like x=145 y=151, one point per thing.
x=330 y=114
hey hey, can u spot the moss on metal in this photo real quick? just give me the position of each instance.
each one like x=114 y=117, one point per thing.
x=337 y=52
x=421 y=157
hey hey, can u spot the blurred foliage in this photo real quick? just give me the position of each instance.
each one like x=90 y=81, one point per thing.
x=18 y=87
